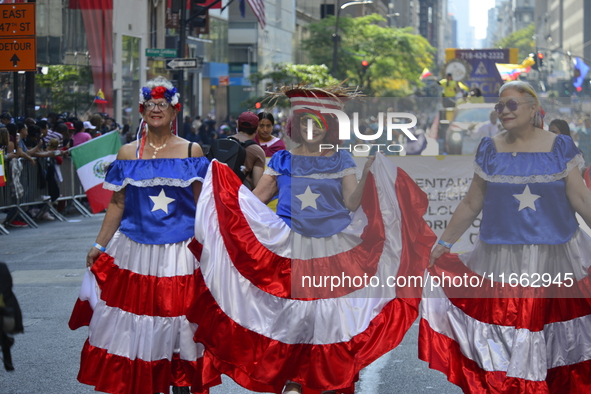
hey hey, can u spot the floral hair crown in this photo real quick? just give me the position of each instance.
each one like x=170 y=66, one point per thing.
x=160 y=92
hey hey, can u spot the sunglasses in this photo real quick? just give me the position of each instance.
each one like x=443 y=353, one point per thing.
x=511 y=105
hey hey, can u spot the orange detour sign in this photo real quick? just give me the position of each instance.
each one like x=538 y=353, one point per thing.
x=18 y=54
x=18 y=50
x=17 y=20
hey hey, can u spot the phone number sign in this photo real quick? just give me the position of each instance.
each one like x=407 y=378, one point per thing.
x=485 y=75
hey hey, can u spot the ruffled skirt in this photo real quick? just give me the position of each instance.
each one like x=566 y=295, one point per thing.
x=521 y=325
x=134 y=300
x=265 y=311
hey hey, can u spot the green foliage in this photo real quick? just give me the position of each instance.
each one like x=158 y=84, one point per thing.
x=65 y=88
x=393 y=54
x=521 y=39
x=286 y=74
x=296 y=74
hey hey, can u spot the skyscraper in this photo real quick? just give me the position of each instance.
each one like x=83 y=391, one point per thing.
x=461 y=11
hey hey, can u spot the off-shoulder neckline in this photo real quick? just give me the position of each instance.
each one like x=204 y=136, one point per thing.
x=494 y=146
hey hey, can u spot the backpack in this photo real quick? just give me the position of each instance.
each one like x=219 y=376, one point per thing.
x=232 y=152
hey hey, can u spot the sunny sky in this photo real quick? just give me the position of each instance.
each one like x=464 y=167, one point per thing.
x=479 y=16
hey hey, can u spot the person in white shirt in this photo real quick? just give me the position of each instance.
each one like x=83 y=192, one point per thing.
x=492 y=128
x=473 y=138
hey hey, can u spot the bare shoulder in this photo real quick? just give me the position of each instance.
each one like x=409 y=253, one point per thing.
x=127 y=151
x=196 y=150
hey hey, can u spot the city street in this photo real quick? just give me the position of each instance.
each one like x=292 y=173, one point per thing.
x=47 y=265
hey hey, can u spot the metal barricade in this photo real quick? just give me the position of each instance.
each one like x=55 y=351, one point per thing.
x=32 y=178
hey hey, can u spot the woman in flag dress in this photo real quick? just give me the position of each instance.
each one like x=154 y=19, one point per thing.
x=527 y=327
x=263 y=318
x=141 y=279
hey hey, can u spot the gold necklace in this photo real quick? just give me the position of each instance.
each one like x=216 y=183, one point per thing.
x=156 y=149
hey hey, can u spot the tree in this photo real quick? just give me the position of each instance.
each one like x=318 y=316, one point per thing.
x=521 y=39
x=391 y=54
x=67 y=88
x=285 y=74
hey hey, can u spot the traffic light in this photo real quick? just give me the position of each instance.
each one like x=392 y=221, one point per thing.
x=364 y=66
x=566 y=89
x=540 y=57
x=534 y=59
x=199 y=14
x=258 y=105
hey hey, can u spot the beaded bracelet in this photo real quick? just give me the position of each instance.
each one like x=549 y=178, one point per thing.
x=99 y=247
x=446 y=244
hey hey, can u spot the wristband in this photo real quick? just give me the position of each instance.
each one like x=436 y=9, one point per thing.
x=99 y=247
x=446 y=244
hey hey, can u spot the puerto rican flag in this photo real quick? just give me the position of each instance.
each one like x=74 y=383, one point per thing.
x=506 y=337
x=262 y=326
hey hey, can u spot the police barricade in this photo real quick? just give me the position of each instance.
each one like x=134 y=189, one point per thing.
x=30 y=190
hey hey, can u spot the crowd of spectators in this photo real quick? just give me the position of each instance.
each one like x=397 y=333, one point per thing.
x=46 y=141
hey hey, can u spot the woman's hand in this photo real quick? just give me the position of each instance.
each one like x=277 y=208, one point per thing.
x=367 y=165
x=92 y=255
x=436 y=253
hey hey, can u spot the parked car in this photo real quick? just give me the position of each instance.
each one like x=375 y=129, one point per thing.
x=461 y=136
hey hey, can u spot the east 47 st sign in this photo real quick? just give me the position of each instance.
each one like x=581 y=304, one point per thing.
x=18 y=51
x=17 y=20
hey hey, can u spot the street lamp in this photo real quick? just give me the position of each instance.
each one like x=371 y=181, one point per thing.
x=336 y=37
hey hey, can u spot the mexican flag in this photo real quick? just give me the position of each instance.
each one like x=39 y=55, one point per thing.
x=92 y=159
x=2 y=176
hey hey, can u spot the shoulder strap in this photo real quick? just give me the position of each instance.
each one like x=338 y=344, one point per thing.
x=190 y=146
x=248 y=143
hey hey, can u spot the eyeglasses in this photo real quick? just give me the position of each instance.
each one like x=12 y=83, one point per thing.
x=150 y=105
x=511 y=105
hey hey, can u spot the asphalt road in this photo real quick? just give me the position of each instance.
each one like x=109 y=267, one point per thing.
x=47 y=265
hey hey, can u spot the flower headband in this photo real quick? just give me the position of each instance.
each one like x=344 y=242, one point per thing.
x=160 y=92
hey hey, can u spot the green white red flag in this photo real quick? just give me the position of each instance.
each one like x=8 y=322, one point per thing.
x=2 y=176
x=92 y=159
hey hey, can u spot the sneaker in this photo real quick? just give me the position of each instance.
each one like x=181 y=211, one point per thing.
x=18 y=223
x=47 y=216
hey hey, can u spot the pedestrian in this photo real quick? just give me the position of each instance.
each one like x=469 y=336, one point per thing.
x=512 y=335
x=187 y=125
x=451 y=90
x=80 y=136
x=196 y=124
x=139 y=340
x=254 y=164
x=258 y=323
x=264 y=138
x=583 y=137
x=559 y=126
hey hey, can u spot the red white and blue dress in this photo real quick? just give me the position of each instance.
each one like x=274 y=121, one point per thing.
x=527 y=335
x=135 y=296
x=261 y=321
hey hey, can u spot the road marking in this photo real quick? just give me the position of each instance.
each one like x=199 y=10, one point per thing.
x=27 y=277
